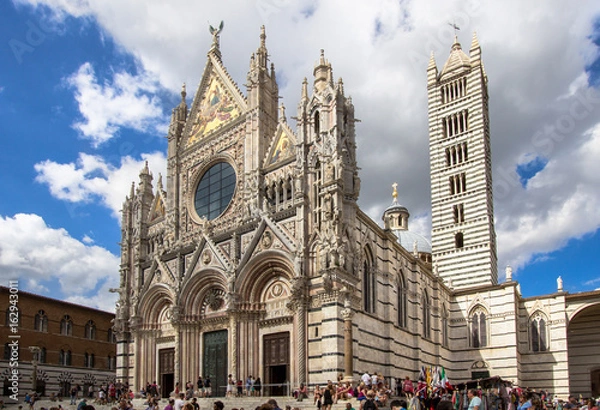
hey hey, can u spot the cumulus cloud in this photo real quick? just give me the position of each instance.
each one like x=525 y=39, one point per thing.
x=535 y=57
x=40 y=255
x=128 y=102
x=91 y=178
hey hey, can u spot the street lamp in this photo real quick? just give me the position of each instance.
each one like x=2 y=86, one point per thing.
x=35 y=351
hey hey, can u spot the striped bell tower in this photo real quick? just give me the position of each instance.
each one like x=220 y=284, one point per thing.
x=463 y=237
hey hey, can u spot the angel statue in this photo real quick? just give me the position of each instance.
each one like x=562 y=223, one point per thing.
x=215 y=32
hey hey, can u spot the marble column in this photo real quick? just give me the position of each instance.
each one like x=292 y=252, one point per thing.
x=347 y=314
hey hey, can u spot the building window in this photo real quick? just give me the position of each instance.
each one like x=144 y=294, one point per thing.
x=90 y=330
x=444 y=327
x=537 y=327
x=7 y=351
x=456 y=154
x=66 y=326
x=215 y=190
x=458 y=211
x=479 y=328
x=456 y=89
x=459 y=240
x=11 y=317
x=317 y=125
x=40 y=322
x=41 y=355
x=426 y=313
x=64 y=357
x=111 y=336
x=455 y=124
x=402 y=301
x=111 y=363
x=369 y=282
x=458 y=183
x=88 y=360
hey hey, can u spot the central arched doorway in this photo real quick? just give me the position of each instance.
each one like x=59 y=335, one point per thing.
x=583 y=341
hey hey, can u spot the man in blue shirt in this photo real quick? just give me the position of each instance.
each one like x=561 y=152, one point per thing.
x=474 y=400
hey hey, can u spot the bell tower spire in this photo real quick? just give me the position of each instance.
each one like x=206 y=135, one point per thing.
x=463 y=235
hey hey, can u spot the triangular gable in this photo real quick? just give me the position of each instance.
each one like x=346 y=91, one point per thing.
x=208 y=255
x=282 y=147
x=158 y=207
x=218 y=101
x=268 y=235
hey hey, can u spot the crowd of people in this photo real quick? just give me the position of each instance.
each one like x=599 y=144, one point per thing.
x=371 y=392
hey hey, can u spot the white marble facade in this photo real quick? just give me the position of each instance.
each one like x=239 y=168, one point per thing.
x=255 y=259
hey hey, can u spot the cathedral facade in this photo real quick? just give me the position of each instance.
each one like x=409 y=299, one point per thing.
x=255 y=258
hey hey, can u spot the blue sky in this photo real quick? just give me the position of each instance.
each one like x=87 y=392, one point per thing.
x=87 y=87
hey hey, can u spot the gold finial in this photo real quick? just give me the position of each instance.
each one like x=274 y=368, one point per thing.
x=395 y=191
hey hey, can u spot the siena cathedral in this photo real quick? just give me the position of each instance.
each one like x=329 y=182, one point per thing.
x=254 y=258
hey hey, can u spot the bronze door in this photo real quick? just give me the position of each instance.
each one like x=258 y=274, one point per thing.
x=214 y=361
x=166 y=369
x=277 y=363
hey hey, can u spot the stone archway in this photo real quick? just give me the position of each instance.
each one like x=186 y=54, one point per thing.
x=583 y=341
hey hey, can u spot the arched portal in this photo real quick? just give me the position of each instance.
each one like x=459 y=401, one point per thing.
x=583 y=341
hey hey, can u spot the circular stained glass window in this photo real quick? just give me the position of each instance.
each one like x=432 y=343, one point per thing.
x=215 y=190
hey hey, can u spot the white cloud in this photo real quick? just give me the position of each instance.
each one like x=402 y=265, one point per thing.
x=41 y=256
x=535 y=58
x=126 y=102
x=91 y=178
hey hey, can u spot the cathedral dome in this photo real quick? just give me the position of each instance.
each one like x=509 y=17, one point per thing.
x=395 y=218
x=407 y=240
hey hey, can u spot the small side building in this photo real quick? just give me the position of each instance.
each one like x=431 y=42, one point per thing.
x=66 y=344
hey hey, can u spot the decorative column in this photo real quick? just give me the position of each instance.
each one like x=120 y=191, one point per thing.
x=234 y=343
x=301 y=318
x=347 y=314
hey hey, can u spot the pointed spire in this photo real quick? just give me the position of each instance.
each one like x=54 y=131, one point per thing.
x=475 y=52
x=132 y=192
x=145 y=170
x=456 y=44
x=322 y=73
x=261 y=53
x=282 y=113
x=183 y=92
x=340 y=86
x=263 y=37
x=432 y=63
x=159 y=183
x=304 y=95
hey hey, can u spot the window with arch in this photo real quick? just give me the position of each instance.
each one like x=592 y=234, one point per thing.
x=40 y=321
x=368 y=283
x=64 y=357
x=41 y=355
x=90 y=330
x=111 y=363
x=537 y=333
x=11 y=316
x=66 y=326
x=402 y=301
x=459 y=240
x=88 y=360
x=426 y=315
x=317 y=124
x=444 y=326
x=479 y=332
